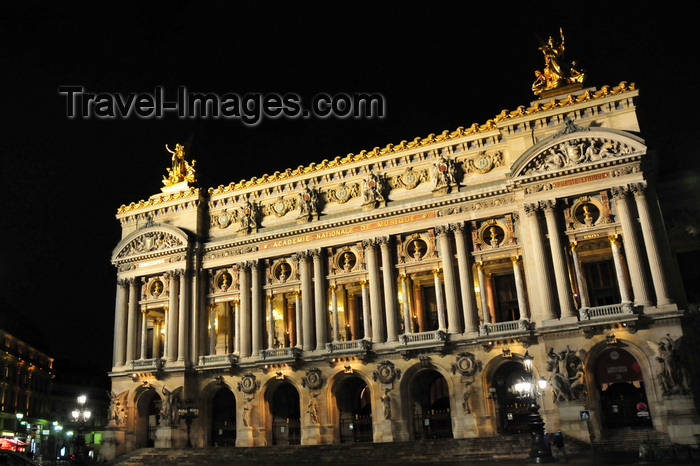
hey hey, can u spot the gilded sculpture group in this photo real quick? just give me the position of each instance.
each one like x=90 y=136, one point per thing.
x=557 y=71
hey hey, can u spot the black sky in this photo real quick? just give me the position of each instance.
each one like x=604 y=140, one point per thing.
x=438 y=65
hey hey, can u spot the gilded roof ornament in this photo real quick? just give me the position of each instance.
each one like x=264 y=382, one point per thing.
x=557 y=71
x=181 y=170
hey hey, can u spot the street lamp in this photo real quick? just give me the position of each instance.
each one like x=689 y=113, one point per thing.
x=81 y=416
x=529 y=390
x=188 y=413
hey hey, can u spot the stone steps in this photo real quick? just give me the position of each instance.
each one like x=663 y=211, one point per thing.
x=424 y=451
x=629 y=439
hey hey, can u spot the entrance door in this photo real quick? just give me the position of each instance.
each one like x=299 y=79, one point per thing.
x=620 y=383
x=355 y=409
x=286 y=419
x=223 y=419
x=431 y=401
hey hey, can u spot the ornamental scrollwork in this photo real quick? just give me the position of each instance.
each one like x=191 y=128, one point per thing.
x=483 y=163
x=313 y=379
x=248 y=384
x=343 y=193
x=386 y=372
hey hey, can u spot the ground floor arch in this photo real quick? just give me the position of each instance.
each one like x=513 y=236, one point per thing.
x=430 y=399
x=621 y=391
x=511 y=412
x=146 y=417
x=284 y=414
x=354 y=403
x=223 y=418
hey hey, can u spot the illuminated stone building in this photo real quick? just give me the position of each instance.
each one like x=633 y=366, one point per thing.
x=392 y=294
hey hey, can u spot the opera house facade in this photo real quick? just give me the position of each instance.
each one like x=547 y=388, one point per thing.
x=397 y=294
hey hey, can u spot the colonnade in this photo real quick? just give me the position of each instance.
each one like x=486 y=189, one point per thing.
x=382 y=313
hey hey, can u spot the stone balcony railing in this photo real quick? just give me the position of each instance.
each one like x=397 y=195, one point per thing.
x=280 y=354
x=349 y=348
x=506 y=328
x=431 y=339
x=146 y=365
x=609 y=312
x=218 y=361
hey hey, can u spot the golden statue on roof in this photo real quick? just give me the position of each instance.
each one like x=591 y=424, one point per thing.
x=181 y=170
x=557 y=71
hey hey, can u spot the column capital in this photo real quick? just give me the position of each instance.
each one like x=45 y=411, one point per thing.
x=370 y=242
x=403 y=277
x=614 y=239
x=573 y=245
x=515 y=260
x=123 y=282
x=458 y=228
x=436 y=272
x=531 y=208
x=548 y=205
x=638 y=189
x=479 y=265
x=619 y=192
x=297 y=293
x=332 y=288
x=144 y=311
x=364 y=283
x=442 y=230
x=270 y=297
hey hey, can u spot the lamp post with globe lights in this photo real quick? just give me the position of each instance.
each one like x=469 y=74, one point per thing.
x=81 y=415
x=528 y=389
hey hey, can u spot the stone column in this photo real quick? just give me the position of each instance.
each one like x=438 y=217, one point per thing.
x=561 y=274
x=580 y=278
x=620 y=270
x=334 y=312
x=307 y=303
x=490 y=297
x=173 y=316
x=485 y=311
x=442 y=325
x=447 y=256
x=389 y=290
x=365 y=310
x=321 y=301
x=132 y=320
x=157 y=326
x=546 y=305
x=297 y=319
x=466 y=281
x=166 y=319
x=212 y=328
x=121 y=322
x=408 y=328
x=270 y=321
x=523 y=309
x=245 y=323
x=651 y=245
x=375 y=291
x=144 y=333
x=632 y=250
x=183 y=323
x=236 y=326
x=418 y=304
x=256 y=309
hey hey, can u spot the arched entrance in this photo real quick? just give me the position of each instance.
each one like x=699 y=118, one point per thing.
x=511 y=412
x=355 y=410
x=285 y=413
x=430 y=397
x=147 y=418
x=223 y=418
x=620 y=385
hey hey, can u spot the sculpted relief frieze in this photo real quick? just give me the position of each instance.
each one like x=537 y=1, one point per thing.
x=575 y=152
x=150 y=242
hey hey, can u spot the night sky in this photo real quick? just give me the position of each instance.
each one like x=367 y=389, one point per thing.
x=438 y=66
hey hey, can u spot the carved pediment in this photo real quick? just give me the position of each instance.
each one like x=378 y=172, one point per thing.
x=150 y=241
x=568 y=150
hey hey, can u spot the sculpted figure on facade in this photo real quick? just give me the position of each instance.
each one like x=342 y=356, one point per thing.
x=673 y=372
x=308 y=204
x=444 y=172
x=248 y=217
x=373 y=192
x=386 y=403
x=575 y=152
x=557 y=71
x=170 y=405
x=312 y=409
x=567 y=377
x=180 y=169
x=117 y=409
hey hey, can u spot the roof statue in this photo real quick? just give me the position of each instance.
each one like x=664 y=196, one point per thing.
x=557 y=71
x=181 y=170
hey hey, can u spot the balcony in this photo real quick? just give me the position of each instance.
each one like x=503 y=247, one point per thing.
x=146 y=365
x=431 y=339
x=290 y=354
x=611 y=312
x=514 y=327
x=349 y=348
x=217 y=361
